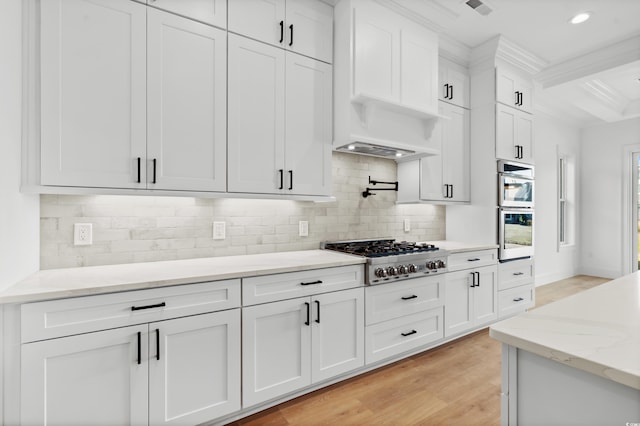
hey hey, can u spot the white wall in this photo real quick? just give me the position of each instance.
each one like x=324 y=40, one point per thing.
x=601 y=196
x=19 y=213
x=552 y=136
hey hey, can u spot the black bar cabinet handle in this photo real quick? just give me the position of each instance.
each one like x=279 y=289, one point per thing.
x=158 y=344
x=139 y=159
x=281 y=171
x=308 y=313
x=413 y=296
x=446 y=91
x=154 y=170
x=518 y=299
x=312 y=283
x=516 y=93
x=139 y=348
x=475 y=259
x=478 y=281
x=473 y=279
x=291 y=38
x=290 y=179
x=281 y=31
x=157 y=305
x=451 y=96
x=451 y=195
x=318 y=306
x=409 y=333
x=518 y=273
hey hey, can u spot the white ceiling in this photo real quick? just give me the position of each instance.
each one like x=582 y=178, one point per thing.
x=589 y=72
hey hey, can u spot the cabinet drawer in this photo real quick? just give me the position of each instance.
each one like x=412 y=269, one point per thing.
x=271 y=288
x=395 y=336
x=472 y=259
x=387 y=301
x=515 y=300
x=515 y=273
x=56 y=318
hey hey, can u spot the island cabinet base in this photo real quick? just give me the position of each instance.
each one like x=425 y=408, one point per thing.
x=541 y=391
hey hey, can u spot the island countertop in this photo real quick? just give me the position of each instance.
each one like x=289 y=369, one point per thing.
x=597 y=331
x=72 y=282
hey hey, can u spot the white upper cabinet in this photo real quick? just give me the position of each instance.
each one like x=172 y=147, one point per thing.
x=212 y=12
x=186 y=108
x=93 y=98
x=395 y=60
x=132 y=97
x=279 y=121
x=514 y=134
x=302 y=26
x=453 y=83
x=514 y=90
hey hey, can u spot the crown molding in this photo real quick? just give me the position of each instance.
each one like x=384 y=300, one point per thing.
x=612 y=56
x=453 y=50
x=427 y=13
x=499 y=49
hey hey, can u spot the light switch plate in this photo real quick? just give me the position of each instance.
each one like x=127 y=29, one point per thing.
x=219 y=232
x=303 y=228
x=407 y=225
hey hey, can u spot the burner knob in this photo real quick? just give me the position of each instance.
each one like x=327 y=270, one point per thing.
x=402 y=269
x=392 y=270
x=440 y=264
x=380 y=273
x=431 y=265
x=412 y=268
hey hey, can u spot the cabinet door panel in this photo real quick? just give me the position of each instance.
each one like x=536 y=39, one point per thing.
x=505 y=132
x=312 y=22
x=255 y=116
x=458 y=303
x=377 y=55
x=486 y=296
x=186 y=104
x=89 y=379
x=308 y=126
x=524 y=136
x=258 y=19
x=506 y=87
x=456 y=152
x=197 y=377
x=338 y=333
x=93 y=101
x=213 y=12
x=276 y=345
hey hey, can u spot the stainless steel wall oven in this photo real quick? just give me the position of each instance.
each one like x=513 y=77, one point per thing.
x=516 y=218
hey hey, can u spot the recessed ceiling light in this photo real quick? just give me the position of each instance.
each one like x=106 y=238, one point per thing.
x=580 y=17
x=351 y=147
x=398 y=154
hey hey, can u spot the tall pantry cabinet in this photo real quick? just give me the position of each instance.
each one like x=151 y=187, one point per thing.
x=131 y=97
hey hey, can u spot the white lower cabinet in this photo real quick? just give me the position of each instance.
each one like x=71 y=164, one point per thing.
x=403 y=316
x=516 y=291
x=471 y=299
x=291 y=344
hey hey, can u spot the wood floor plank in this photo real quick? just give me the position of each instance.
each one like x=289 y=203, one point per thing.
x=454 y=384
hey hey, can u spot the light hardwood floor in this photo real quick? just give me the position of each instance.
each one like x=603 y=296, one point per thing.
x=455 y=384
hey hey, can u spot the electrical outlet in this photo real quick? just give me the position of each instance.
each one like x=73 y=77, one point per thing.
x=219 y=231
x=407 y=225
x=82 y=234
x=303 y=228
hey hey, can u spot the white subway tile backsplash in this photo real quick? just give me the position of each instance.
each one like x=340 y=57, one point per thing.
x=139 y=229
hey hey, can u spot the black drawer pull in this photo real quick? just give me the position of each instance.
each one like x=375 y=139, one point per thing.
x=308 y=322
x=409 y=297
x=158 y=305
x=518 y=299
x=518 y=273
x=139 y=348
x=409 y=333
x=475 y=259
x=157 y=344
x=312 y=283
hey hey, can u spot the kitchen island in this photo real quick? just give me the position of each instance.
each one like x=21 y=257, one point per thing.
x=574 y=361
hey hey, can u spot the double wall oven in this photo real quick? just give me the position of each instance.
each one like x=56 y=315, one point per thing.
x=516 y=217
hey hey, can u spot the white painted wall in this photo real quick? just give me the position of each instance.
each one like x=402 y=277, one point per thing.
x=602 y=156
x=552 y=136
x=19 y=213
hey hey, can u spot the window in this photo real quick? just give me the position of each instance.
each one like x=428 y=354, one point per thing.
x=566 y=200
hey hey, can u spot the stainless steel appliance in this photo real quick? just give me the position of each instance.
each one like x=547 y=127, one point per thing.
x=516 y=216
x=515 y=184
x=390 y=261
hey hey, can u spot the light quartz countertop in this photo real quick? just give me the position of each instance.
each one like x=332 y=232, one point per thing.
x=73 y=282
x=597 y=331
x=461 y=247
